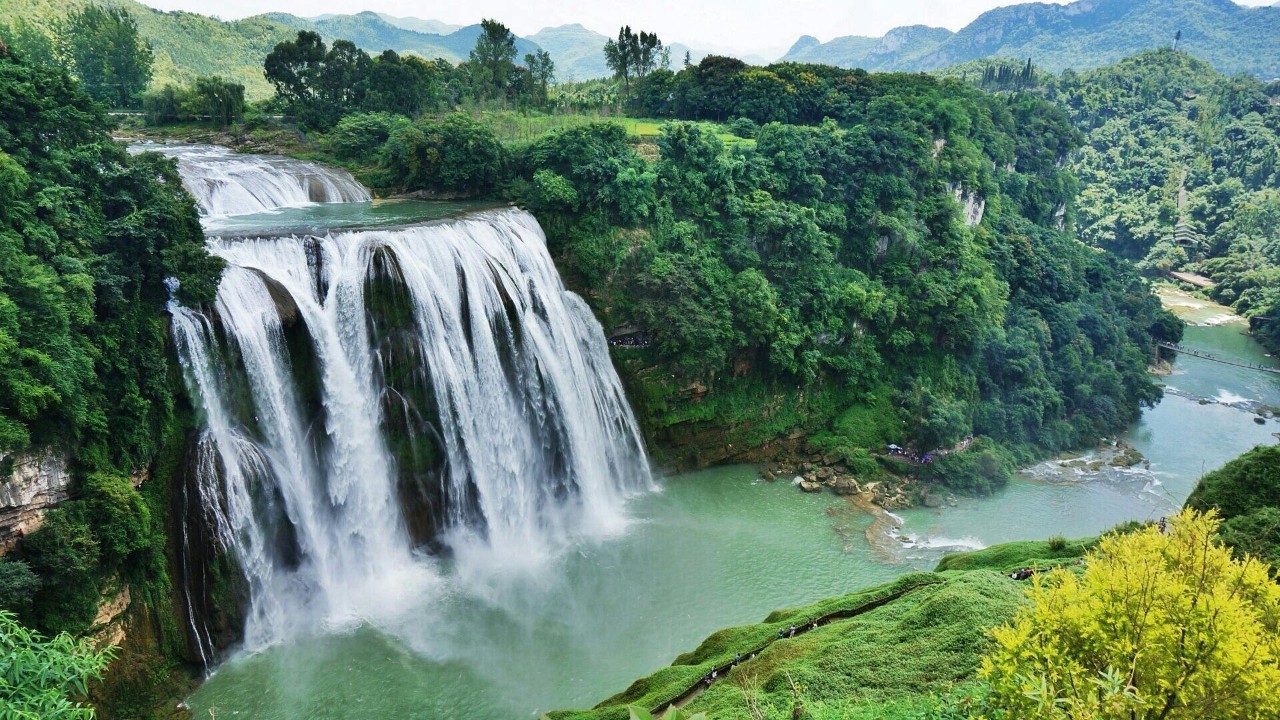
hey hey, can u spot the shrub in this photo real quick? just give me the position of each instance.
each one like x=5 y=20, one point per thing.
x=453 y=155
x=360 y=136
x=1158 y=625
x=38 y=675
x=743 y=127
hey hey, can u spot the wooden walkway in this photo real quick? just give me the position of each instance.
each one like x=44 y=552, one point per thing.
x=722 y=671
x=1206 y=356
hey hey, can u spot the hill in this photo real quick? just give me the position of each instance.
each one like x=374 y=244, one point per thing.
x=185 y=44
x=1081 y=35
x=877 y=653
x=430 y=27
x=372 y=33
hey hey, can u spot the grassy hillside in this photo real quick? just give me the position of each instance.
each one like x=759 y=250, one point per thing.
x=1081 y=35
x=882 y=654
x=185 y=44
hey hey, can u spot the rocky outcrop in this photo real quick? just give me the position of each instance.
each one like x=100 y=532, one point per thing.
x=30 y=485
x=108 y=626
x=975 y=205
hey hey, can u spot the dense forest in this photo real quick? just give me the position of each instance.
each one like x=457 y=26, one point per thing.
x=88 y=236
x=886 y=247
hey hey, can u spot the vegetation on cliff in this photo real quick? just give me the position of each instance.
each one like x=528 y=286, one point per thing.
x=88 y=237
x=1246 y=493
x=1178 y=171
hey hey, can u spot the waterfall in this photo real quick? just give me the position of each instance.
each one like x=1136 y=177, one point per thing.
x=369 y=393
x=228 y=183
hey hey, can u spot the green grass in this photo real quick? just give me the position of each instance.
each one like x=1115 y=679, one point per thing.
x=511 y=126
x=1008 y=557
x=890 y=662
x=884 y=663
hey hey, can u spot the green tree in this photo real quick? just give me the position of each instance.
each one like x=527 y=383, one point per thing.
x=456 y=155
x=293 y=67
x=542 y=70
x=108 y=55
x=1157 y=626
x=216 y=100
x=492 y=60
x=38 y=677
x=633 y=55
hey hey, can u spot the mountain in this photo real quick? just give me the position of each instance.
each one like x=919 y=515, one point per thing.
x=185 y=44
x=372 y=33
x=848 y=51
x=899 y=46
x=429 y=27
x=1082 y=35
x=577 y=51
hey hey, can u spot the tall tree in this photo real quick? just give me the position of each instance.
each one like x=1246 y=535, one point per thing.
x=293 y=67
x=493 y=58
x=543 y=72
x=633 y=55
x=111 y=59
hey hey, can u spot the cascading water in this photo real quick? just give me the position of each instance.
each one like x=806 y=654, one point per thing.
x=228 y=183
x=366 y=393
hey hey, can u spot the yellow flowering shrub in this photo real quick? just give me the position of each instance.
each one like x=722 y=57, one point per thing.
x=1156 y=626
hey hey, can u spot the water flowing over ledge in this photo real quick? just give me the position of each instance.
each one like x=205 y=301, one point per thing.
x=369 y=393
x=224 y=182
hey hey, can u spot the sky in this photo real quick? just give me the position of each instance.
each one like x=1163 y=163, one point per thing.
x=767 y=27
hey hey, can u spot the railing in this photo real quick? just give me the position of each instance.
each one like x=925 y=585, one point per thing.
x=722 y=671
x=1206 y=356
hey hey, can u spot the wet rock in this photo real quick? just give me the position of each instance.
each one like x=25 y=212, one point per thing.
x=810 y=487
x=846 y=486
x=1128 y=458
x=933 y=500
x=825 y=473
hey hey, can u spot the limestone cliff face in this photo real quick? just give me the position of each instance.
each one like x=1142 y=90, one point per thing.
x=31 y=484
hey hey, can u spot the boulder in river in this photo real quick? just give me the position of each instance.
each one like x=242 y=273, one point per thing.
x=810 y=487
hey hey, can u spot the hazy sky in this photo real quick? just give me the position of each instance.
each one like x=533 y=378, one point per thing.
x=741 y=25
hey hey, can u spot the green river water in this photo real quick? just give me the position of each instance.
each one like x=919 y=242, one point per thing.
x=711 y=550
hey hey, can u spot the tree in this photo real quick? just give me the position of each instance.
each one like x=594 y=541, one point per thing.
x=1177 y=38
x=319 y=85
x=108 y=55
x=543 y=72
x=216 y=99
x=37 y=676
x=1166 y=626
x=456 y=155
x=492 y=59
x=633 y=55
x=620 y=56
x=293 y=67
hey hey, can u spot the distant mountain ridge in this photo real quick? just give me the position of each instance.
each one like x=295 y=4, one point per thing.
x=1081 y=35
x=187 y=45
x=373 y=33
